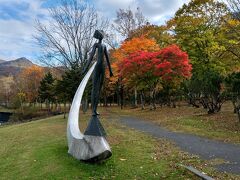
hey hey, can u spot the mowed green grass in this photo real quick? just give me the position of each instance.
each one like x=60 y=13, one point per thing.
x=38 y=150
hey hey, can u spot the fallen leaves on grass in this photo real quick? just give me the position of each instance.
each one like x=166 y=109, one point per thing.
x=122 y=159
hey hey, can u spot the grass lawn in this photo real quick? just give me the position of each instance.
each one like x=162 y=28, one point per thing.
x=38 y=150
x=222 y=126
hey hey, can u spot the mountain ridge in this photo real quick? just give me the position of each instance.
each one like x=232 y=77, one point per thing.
x=19 y=62
x=14 y=67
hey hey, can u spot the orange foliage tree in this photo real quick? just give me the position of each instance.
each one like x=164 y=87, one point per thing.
x=30 y=78
x=128 y=47
x=131 y=46
x=135 y=44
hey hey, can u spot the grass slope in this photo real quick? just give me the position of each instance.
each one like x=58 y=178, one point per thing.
x=38 y=150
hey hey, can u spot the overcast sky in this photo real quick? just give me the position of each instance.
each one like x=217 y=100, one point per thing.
x=17 y=20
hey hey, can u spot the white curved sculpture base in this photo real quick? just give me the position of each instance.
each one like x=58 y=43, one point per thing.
x=90 y=148
x=84 y=147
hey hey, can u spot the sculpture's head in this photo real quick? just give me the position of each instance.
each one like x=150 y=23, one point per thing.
x=98 y=34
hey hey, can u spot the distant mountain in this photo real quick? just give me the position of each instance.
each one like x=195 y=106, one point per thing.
x=14 y=67
x=20 y=62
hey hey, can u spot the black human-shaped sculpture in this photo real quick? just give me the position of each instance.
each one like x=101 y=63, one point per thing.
x=95 y=127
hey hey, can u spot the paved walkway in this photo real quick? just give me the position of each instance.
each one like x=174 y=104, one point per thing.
x=205 y=148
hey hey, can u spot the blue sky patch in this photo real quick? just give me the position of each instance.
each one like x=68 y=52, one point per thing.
x=14 y=11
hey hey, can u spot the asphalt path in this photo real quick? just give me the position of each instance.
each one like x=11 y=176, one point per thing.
x=203 y=147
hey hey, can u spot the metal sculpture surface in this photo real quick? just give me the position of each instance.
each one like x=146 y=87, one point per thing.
x=92 y=145
x=99 y=72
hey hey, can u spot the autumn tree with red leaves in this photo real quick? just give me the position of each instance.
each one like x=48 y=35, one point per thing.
x=149 y=70
x=128 y=47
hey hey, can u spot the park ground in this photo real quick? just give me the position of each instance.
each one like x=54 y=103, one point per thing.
x=223 y=126
x=38 y=149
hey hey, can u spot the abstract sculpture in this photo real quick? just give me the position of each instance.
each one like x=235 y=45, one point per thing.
x=92 y=145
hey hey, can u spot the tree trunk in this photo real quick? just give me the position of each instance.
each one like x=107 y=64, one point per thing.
x=113 y=99
x=21 y=105
x=135 y=97
x=105 y=100
x=152 y=100
x=118 y=98
x=60 y=107
x=142 y=100
x=56 y=106
x=234 y=105
x=238 y=113
x=85 y=105
x=173 y=101
x=121 y=96
x=64 y=116
x=237 y=103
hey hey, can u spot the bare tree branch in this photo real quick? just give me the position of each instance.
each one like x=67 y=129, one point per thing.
x=234 y=6
x=67 y=40
x=127 y=21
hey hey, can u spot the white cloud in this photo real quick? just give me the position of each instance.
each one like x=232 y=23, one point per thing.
x=16 y=39
x=157 y=11
x=116 y=3
x=16 y=33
